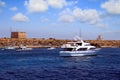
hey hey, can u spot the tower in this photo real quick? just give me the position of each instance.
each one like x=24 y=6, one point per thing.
x=99 y=37
x=21 y=35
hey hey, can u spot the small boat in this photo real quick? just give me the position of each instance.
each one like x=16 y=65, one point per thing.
x=8 y=48
x=78 y=48
x=23 y=48
x=51 y=48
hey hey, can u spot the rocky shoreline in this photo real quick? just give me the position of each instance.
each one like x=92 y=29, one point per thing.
x=105 y=43
x=38 y=43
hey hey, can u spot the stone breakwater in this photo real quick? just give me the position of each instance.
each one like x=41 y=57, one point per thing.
x=35 y=42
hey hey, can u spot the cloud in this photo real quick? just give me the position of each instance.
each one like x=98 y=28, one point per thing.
x=43 y=5
x=74 y=2
x=14 y=8
x=113 y=31
x=20 y=17
x=2 y=4
x=66 y=11
x=36 y=5
x=87 y=15
x=102 y=25
x=44 y=19
x=57 y=3
x=66 y=18
x=112 y=6
x=93 y=0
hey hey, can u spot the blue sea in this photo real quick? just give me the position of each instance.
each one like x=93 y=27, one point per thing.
x=44 y=64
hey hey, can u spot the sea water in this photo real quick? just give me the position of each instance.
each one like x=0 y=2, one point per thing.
x=44 y=64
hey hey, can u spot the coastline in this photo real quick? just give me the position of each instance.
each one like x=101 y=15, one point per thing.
x=41 y=43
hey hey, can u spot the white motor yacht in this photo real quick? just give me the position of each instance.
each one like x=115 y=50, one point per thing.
x=78 y=48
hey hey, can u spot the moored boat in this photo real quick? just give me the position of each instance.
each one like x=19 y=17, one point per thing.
x=23 y=48
x=51 y=48
x=8 y=48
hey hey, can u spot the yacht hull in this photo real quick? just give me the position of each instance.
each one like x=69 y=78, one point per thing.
x=77 y=53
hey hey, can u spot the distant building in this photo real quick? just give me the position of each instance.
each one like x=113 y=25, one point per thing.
x=52 y=39
x=18 y=35
x=99 y=37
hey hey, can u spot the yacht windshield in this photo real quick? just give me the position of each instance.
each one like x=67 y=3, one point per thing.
x=92 y=48
x=82 y=49
x=79 y=44
x=68 y=49
x=87 y=45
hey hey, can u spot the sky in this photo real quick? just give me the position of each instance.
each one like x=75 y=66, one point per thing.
x=61 y=19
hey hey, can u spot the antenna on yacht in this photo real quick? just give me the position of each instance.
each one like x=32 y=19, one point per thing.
x=79 y=37
x=80 y=34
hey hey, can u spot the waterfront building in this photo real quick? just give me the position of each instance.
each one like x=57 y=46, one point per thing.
x=99 y=37
x=18 y=35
